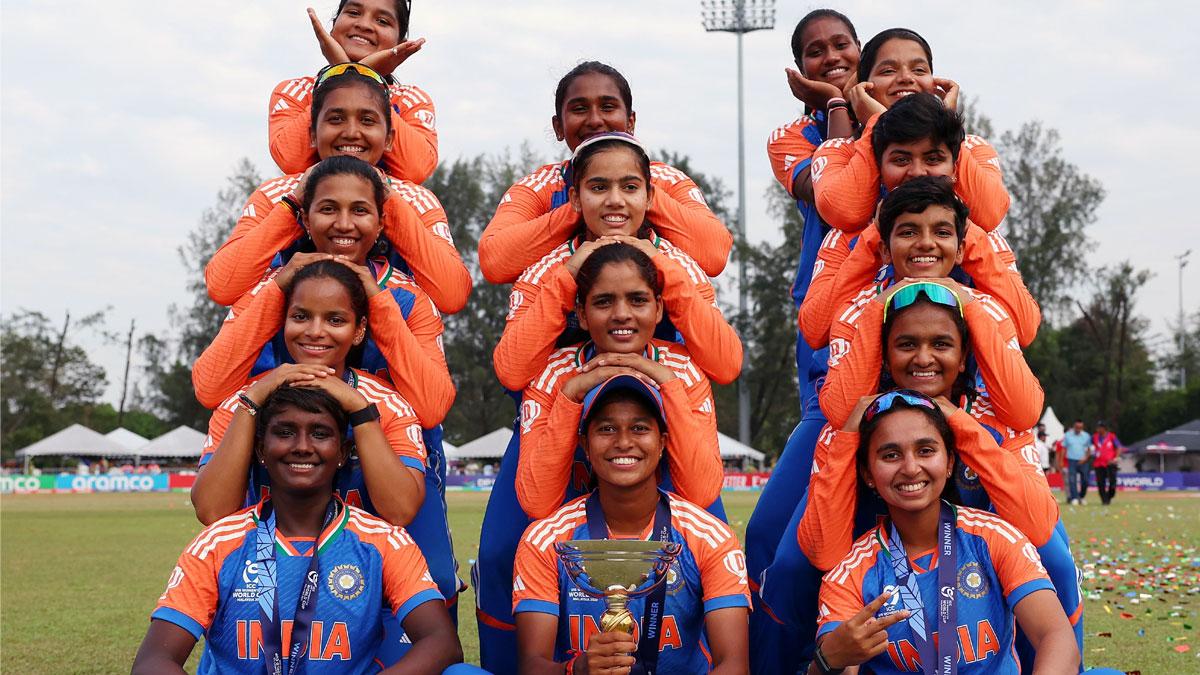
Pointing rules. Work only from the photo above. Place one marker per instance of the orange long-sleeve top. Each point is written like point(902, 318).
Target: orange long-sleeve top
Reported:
point(841, 272)
point(414, 152)
point(413, 221)
point(791, 145)
point(544, 296)
point(1016, 486)
point(550, 430)
point(846, 181)
point(412, 347)
point(855, 360)
point(527, 225)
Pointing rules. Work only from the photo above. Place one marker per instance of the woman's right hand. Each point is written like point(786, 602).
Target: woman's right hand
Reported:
point(578, 387)
point(608, 653)
point(862, 637)
point(812, 93)
point(298, 262)
point(855, 418)
point(330, 49)
point(859, 98)
point(585, 249)
point(286, 374)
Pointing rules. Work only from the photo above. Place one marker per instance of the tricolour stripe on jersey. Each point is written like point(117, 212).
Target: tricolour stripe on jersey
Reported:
point(864, 549)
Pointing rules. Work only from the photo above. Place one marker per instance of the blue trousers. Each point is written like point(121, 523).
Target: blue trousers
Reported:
point(1077, 478)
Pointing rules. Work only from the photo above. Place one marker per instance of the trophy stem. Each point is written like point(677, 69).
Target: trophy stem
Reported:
point(616, 616)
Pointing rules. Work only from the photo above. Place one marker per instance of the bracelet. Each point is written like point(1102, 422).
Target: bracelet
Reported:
point(571, 662)
point(835, 103)
point(246, 403)
point(367, 414)
point(289, 200)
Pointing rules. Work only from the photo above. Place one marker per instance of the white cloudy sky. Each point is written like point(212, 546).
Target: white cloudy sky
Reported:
point(121, 120)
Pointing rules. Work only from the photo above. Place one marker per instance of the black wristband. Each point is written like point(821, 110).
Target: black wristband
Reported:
point(290, 202)
point(367, 414)
point(823, 665)
point(248, 404)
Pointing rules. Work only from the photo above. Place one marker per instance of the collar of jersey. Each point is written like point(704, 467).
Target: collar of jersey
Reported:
point(576, 241)
point(284, 548)
point(383, 270)
point(881, 538)
point(587, 350)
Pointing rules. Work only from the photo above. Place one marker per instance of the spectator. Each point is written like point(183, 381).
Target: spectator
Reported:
point(1043, 448)
point(1078, 447)
point(1107, 448)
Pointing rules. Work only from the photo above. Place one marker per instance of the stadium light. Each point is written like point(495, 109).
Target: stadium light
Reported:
point(740, 17)
point(1182, 259)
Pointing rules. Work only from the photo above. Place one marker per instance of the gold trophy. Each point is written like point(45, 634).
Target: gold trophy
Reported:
point(617, 570)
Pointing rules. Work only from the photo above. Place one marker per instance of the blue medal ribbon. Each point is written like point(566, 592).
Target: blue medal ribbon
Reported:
point(647, 652)
point(268, 596)
point(945, 662)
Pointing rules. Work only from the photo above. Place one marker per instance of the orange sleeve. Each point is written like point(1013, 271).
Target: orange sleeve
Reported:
point(289, 124)
point(841, 595)
point(414, 152)
point(787, 147)
point(264, 229)
point(989, 260)
point(1014, 391)
point(226, 362)
point(218, 423)
point(415, 224)
point(691, 304)
point(816, 310)
point(826, 529)
point(549, 435)
point(855, 358)
point(693, 452)
point(535, 570)
point(537, 314)
point(1018, 496)
point(406, 579)
point(979, 183)
point(524, 227)
point(719, 557)
point(846, 180)
point(680, 213)
point(412, 348)
point(397, 418)
point(193, 588)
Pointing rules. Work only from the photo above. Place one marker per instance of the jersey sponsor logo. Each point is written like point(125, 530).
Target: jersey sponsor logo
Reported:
point(697, 195)
point(1031, 553)
point(514, 303)
point(972, 582)
point(426, 118)
point(735, 562)
point(322, 645)
point(175, 579)
point(346, 582)
point(530, 410)
point(838, 348)
point(817, 168)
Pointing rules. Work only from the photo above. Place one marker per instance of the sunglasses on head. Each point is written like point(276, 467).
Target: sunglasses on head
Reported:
point(342, 68)
point(906, 398)
point(932, 290)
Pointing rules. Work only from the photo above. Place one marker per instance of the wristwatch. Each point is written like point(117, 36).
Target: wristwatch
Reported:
point(822, 665)
point(365, 415)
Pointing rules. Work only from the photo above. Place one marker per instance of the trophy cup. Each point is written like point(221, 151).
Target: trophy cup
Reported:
point(617, 570)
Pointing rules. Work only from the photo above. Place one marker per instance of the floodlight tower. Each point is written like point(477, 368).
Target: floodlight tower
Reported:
point(1182, 260)
point(740, 17)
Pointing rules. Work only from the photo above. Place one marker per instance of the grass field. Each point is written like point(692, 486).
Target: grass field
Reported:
point(79, 575)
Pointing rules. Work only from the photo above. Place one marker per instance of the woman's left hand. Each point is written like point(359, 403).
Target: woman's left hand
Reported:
point(348, 397)
point(643, 245)
point(865, 107)
point(855, 418)
point(385, 61)
point(370, 284)
point(330, 49)
point(653, 369)
point(948, 91)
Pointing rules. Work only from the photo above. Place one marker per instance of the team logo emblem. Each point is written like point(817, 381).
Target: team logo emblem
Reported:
point(346, 582)
point(971, 581)
point(967, 478)
point(674, 579)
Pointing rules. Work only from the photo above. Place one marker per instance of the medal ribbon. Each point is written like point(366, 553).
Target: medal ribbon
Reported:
point(268, 596)
point(647, 652)
point(946, 661)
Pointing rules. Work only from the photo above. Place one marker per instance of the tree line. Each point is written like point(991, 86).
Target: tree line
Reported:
point(1094, 353)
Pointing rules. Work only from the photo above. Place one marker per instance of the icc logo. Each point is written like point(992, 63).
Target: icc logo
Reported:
point(250, 574)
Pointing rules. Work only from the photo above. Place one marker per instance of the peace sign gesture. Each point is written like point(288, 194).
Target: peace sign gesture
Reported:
point(862, 637)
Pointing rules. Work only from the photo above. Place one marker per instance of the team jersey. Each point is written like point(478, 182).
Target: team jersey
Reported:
point(855, 349)
point(364, 564)
point(396, 417)
point(534, 217)
point(846, 181)
point(845, 265)
point(552, 466)
point(414, 152)
point(709, 574)
point(997, 568)
point(790, 148)
point(995, 473)
point(403, 346)
point(543, 298)
point(414, 223)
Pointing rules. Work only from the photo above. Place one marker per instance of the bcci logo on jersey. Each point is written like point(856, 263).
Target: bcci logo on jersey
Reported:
point(346, 582)
point(972, 583)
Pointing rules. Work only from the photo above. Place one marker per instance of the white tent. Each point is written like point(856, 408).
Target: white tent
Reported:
point(128, 439)
point(488, 446)
point(76, 440)
point(1054, 428)
point(179, 442)
point(734, 449)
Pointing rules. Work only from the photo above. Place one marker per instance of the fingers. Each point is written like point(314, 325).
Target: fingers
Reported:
point(891, 619)
point(318, 27)
point(869, 611)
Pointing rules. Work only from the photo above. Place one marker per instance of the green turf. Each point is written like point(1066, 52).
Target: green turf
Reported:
point(79, 575)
